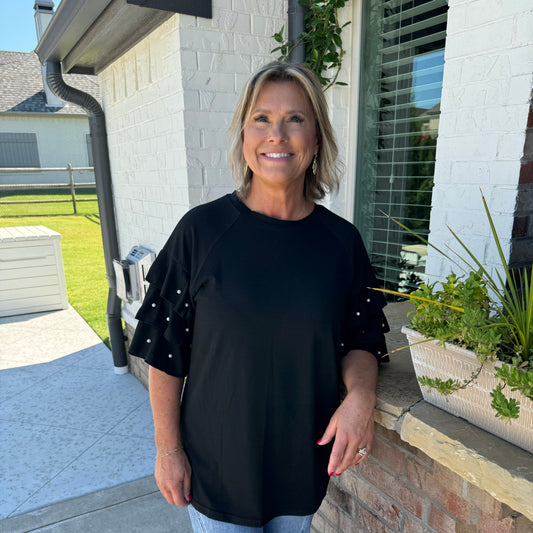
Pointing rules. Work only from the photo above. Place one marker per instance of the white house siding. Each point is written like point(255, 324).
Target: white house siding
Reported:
point(485, 102)
point(168, 103)
point(60, 140)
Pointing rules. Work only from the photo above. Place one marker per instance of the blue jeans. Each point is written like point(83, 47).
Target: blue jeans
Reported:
point(280, 524)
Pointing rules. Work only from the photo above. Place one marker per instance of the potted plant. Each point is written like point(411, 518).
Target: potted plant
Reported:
point(471, 340)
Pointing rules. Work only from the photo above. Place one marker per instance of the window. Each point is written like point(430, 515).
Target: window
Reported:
point(19, 150)
point(89, 149)
point(401, 85)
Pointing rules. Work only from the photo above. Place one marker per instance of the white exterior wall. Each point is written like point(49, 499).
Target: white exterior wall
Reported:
point(60, 140)
point(168, 103)
point(343, 102)
point(170, 99)
point(218, 57)
point(485, 101)
point(143, 102)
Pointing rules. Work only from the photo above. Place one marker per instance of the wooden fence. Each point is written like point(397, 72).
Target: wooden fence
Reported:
point(70, 185)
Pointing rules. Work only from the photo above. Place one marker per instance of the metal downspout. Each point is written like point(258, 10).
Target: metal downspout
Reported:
point(295, 27)
point(102, 174)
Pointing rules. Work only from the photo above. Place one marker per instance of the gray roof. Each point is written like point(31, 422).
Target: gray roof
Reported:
point(21, 86)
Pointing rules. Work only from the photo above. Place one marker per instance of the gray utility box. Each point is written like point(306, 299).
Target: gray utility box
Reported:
point(131, 274)
point(32, 278)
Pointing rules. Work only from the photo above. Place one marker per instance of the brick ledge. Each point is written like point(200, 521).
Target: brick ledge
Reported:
point(492, 464)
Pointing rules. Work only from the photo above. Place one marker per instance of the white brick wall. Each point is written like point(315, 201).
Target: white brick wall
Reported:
point(485, 102)
point(144, 103)
point(344, 117)
point(221, 54)
point(170, 99)
point(169, 102)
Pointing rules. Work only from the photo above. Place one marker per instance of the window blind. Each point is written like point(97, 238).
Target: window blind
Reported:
point(19, 150)
point(401, 85)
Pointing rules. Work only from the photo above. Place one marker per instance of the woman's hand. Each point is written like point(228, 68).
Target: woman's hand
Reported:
point(352, 424)
point(172, 468)
point(173, 478)
point(352, 427)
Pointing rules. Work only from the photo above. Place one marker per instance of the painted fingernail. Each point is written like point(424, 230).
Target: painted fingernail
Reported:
point(338, 473)
point(319, 441)
point(330, 474)
point(356, 464)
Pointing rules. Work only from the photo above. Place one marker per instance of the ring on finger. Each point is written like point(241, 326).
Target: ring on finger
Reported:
point(362, 451)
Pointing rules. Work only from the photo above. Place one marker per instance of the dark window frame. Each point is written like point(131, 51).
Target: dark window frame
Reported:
point(401, 82)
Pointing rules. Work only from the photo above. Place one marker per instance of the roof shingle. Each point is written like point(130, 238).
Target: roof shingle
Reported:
point(21, 86)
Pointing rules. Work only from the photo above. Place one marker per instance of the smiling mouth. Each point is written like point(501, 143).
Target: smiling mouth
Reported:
point(276, 155)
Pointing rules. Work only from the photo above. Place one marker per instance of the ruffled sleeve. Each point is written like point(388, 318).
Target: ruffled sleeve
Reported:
point(163, 335)
point(365, 323)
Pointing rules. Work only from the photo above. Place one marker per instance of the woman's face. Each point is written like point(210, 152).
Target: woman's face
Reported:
point(280, 138)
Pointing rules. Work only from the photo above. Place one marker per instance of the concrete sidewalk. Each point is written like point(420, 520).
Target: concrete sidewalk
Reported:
point(135, 507)
point(77, 440)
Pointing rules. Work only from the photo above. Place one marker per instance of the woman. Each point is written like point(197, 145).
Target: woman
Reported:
point(261, 299)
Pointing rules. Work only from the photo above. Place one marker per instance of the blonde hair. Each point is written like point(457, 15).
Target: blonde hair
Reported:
point(326, 178)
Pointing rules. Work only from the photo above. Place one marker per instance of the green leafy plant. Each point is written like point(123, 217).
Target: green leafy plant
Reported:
point(322, 40)
point(506, 408)
point(492, 315)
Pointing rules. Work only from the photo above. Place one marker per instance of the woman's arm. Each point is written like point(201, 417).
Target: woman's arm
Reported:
point(172, 469)
point(352, 424)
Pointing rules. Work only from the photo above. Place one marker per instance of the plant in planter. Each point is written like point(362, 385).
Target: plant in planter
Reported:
point(490, 317)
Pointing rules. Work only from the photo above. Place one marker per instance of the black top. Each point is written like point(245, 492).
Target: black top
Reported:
point(258, 312)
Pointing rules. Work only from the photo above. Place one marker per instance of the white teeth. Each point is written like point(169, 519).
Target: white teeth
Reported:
point(277, 156)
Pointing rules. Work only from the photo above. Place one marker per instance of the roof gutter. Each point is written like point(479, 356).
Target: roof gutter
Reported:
point(102, 174)
point(72, 19)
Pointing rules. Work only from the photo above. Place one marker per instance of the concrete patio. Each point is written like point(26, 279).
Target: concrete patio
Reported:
point(77, 439)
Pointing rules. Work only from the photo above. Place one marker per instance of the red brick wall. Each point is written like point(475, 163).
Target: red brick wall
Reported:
point(136, 366)
point(400, 489)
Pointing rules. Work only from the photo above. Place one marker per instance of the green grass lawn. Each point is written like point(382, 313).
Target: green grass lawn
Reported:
point(56, 208)
point(83, 254)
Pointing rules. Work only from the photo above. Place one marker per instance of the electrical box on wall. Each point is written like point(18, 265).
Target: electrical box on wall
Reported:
point(131, 274)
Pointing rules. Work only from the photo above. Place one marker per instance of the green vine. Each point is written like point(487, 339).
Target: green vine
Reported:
point(506, 408)
point(450, 385)
point(322, 40)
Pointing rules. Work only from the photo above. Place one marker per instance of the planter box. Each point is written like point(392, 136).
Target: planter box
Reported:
point(473, 403)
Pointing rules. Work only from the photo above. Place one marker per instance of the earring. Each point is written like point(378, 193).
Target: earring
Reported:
point(314, 166)
point(245, 168)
